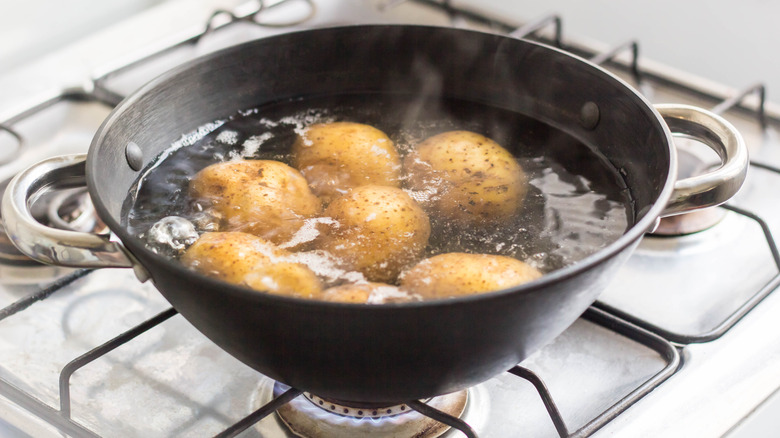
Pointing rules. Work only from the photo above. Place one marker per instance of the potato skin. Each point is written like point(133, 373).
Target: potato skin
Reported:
point(457, 274)
point(335, 157)
point(262, 197)
point(378, 231)
point(469, 178)
point(247, 260)
point(366, 293)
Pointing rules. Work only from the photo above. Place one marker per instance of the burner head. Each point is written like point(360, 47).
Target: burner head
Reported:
point(689, 223)
point(315, 417)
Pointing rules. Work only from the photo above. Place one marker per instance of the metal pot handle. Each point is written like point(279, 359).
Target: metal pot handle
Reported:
point(51, 245)
point(721, 184)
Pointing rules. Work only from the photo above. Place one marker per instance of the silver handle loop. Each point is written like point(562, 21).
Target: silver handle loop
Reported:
point(78, 249)
point(719, 185)
point(51, 245)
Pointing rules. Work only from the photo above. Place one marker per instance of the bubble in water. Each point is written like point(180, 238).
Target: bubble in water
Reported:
point(171, 235)
point(575, 205)
point(205, 220)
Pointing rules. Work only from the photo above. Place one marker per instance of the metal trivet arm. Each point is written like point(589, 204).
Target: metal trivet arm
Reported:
point(95, 89)
point(729, 321)
point(656, 75)
point(535, 26)
point(289, 395)
point(736, 100)
point(611, 54)
point(737, 314)
point(544, 393)
point(631, 331)
point(58, 285)
point(264, 411)
point(84, 359)
point(762, 293)
point(442, 417)
point(105, 94)
point(62, 419)
point(19, 144)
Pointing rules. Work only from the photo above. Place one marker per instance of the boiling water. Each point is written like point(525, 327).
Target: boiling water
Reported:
point(576, 202)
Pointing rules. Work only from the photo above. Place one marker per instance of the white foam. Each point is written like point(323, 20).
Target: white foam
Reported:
point(308, 231)
point(382, 294)
point(268, 122)
point(187, 139)
point(325, 265)
point(228, 137)
point(423, 196)
point(378, 150)
point(252, 144)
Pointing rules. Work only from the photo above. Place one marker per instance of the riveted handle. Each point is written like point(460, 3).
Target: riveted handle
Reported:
point(719, 185)
point(51, 245)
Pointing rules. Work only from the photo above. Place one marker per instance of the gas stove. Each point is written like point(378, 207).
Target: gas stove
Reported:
point(685, 341)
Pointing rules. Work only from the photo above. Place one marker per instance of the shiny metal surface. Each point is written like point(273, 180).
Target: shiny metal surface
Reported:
point(308, 418)
point(51, 245)
point(715, 187)
point(687, 284)
point(172, 381)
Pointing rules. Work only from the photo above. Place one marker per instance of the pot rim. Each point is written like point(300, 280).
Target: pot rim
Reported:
point(632, 234)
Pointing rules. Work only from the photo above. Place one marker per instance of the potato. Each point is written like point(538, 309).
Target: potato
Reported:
point(465, 178)
point(335, 157)
point(376, 230)
point(262, 197)
point(456, 274)
point(248, 260)
point(371, 293)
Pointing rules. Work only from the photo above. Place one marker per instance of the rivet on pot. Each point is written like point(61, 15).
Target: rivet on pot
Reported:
point(590, 115)
point(134, 156)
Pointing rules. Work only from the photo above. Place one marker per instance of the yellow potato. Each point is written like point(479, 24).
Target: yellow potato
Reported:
point(377, 230)
point(456, 274)
point(250, 261)
point(361, 293)
point(335, 157)
point(262, 197)
point(466, 178)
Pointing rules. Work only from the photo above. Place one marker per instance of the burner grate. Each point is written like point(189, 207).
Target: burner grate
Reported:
point(748, 302)
point(730, 320)
point(644, 337)
point(62, 418)
point(637, 329)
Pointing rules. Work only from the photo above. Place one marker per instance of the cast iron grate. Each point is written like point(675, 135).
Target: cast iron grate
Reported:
point(62, 418)
point(667, 351)
point(633, 328)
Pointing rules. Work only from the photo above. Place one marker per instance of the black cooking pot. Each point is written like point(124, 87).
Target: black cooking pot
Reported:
point(394, 352)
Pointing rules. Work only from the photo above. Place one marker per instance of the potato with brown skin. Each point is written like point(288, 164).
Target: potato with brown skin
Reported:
point(247, 260)
point(262, 197)
point(335, 157)
point(377, 230)
point(366, 293)
point(457, 274)
point(466, 178)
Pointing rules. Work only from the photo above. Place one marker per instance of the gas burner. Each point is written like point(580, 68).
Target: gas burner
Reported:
point(367, 410)
point(315, 417)
point(684, 224)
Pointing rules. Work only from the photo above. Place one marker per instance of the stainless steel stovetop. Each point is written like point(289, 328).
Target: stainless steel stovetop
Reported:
point(686, 341)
